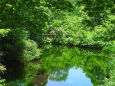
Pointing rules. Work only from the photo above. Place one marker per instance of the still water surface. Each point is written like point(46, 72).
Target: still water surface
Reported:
point(60, 66)
point(75, 77)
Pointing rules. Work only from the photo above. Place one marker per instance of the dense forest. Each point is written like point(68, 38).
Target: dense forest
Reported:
point(79, 23)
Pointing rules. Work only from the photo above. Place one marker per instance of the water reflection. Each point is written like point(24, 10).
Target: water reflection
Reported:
point(40, 80)
point(75, 77)
point(64, 66)
point(58, 64)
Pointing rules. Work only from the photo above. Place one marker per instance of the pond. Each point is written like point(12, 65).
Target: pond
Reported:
point(60, 66)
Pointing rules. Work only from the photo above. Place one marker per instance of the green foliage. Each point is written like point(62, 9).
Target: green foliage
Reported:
point(29, 15)
point(74, 28)
point(2, 82)
point(2, 69)
point(109, 49)
point(48, 41)
point(67, 25)
point(98, 9)
point(30, 51)
point(68, 33)
point(105, 32)
point(4, 32)
point(18, 44)
point(61, 5)
point(86, 23)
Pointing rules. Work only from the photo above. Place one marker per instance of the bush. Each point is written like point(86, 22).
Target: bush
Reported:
point(30, 51)
point(1, 71)
point(18, 46)
point(2, 82)
point(2, 68)
point(48, 41)
point(4, 32)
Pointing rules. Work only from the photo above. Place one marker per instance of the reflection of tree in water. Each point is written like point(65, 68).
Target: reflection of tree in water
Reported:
point(21, 74)
point(58, 75)
point(30, 76)
point(94, 65)
point(58, 64)
point(40, 80)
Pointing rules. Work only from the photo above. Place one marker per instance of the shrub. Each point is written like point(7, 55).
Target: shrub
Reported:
point(30, 51)
point(18, 46)
point(1, 71)
point(48, 41)
point(4, 32)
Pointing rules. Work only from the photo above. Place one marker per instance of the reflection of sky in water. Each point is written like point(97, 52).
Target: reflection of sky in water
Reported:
point(76, 77)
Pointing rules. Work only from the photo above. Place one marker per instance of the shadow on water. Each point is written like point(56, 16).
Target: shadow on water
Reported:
point(59, 66)
point(15, 68)
point(19, 73)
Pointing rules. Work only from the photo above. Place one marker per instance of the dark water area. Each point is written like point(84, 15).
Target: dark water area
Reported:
point(60, 66)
